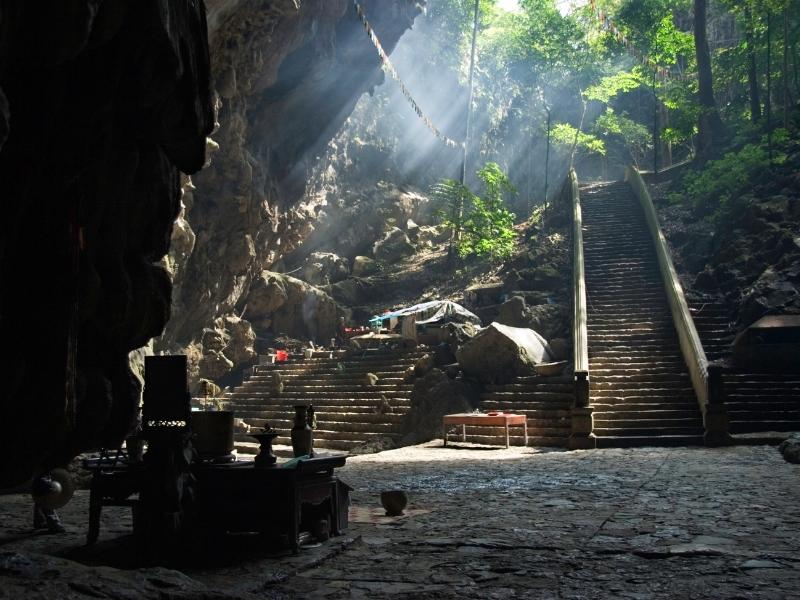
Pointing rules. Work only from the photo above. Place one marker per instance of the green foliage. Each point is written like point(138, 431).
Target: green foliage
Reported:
point(450, 197)
point(489, 225)
point(567, 135)
point(635, 136)
point(609, 87)
point(486, 228)
point(712, 189)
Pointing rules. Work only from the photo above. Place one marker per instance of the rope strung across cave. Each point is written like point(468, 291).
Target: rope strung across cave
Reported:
point(388, 67)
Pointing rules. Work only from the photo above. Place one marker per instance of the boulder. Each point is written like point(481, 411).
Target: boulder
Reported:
point(353, 291)
point(772, 293)
point(363, 266)
point(498, 353)
point(214, 365)
point(559, 348)
point(456, 335)
point(214, 339)
point(513, 312)
point(241, 339)
point(424, 364)
point(279, 303)
point(550, 320)
point(790, 448)
point(394, 246)
point(322, 268)
point(542, 278)
point(434, 396)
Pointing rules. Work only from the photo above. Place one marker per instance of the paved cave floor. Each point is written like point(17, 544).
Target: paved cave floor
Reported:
point(483, 523)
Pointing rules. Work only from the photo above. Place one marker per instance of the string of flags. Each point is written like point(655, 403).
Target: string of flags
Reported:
point(388, 67)
point(607, 24)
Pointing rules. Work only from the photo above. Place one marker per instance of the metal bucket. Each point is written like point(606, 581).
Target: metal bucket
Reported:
point(213, 432)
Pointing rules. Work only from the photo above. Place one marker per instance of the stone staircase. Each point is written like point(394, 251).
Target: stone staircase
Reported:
point(546, 401)
point(348, 411)
point(756, 402)
point(713, 322)
point(639, 385)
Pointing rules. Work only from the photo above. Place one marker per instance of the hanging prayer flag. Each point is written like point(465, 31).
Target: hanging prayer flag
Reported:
point(388, 67)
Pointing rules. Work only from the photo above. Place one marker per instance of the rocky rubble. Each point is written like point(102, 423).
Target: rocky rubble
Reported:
point(750, 254)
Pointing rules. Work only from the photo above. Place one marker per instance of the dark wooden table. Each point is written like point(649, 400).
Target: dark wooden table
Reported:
point(238, 497)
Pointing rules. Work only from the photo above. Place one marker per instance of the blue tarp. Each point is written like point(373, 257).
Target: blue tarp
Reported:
point(431, 312)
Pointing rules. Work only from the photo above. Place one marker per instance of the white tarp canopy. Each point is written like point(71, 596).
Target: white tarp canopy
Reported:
point(434, 311)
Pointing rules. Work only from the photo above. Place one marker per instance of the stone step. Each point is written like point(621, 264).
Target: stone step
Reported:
point(606, 421)
point(360, 406)
point(295, 388)
point(394, 414)
point(764, 425)
point(534, 413)
point(626, 377)
point(599, 364)
point(695, 428)
point(280, 419)
point(529, 396)
point(626, 412)
point(631, 441)
point(328, 395)
point(641, 405)
point(326, 426)
point(558, 388)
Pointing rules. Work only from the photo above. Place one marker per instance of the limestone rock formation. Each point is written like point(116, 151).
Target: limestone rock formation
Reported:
point(288, 74)
point(499, 352)
point(280, 304)
point(394, 246)
point(102, 104)
point(363, 266)
point(322, 268)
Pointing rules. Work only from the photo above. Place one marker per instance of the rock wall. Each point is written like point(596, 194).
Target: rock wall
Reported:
point(102, 104)
point(287, 74)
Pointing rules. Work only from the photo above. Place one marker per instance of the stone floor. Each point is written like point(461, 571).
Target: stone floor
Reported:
point(483, 523)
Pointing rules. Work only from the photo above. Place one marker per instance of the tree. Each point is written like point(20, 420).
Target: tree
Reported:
point(487, 226)
point(709, 125)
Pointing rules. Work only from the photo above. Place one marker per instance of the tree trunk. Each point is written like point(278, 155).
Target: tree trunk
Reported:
point(666, 146)
point(768, 103)
point(709, 124)
point(787, 100)
point(752, 72)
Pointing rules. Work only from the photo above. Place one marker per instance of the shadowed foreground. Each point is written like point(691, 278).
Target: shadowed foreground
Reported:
point(484, 523)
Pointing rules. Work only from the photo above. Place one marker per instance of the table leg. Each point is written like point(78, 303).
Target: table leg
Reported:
point(463, 433)
point(444, 434)
point(507, 444)
point(95, 507)
point(525, 426)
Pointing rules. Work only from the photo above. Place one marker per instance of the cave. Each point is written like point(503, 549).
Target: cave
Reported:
point(511, 265)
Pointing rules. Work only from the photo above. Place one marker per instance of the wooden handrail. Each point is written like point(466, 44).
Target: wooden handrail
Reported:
point(691, 347)
point(580, 343)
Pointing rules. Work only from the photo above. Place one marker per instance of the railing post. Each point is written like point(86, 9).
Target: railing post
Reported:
point(715, 419)
point(581, 415)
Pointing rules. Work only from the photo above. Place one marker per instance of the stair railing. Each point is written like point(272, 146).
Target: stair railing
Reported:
point(582, 424)
point(706, 379)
